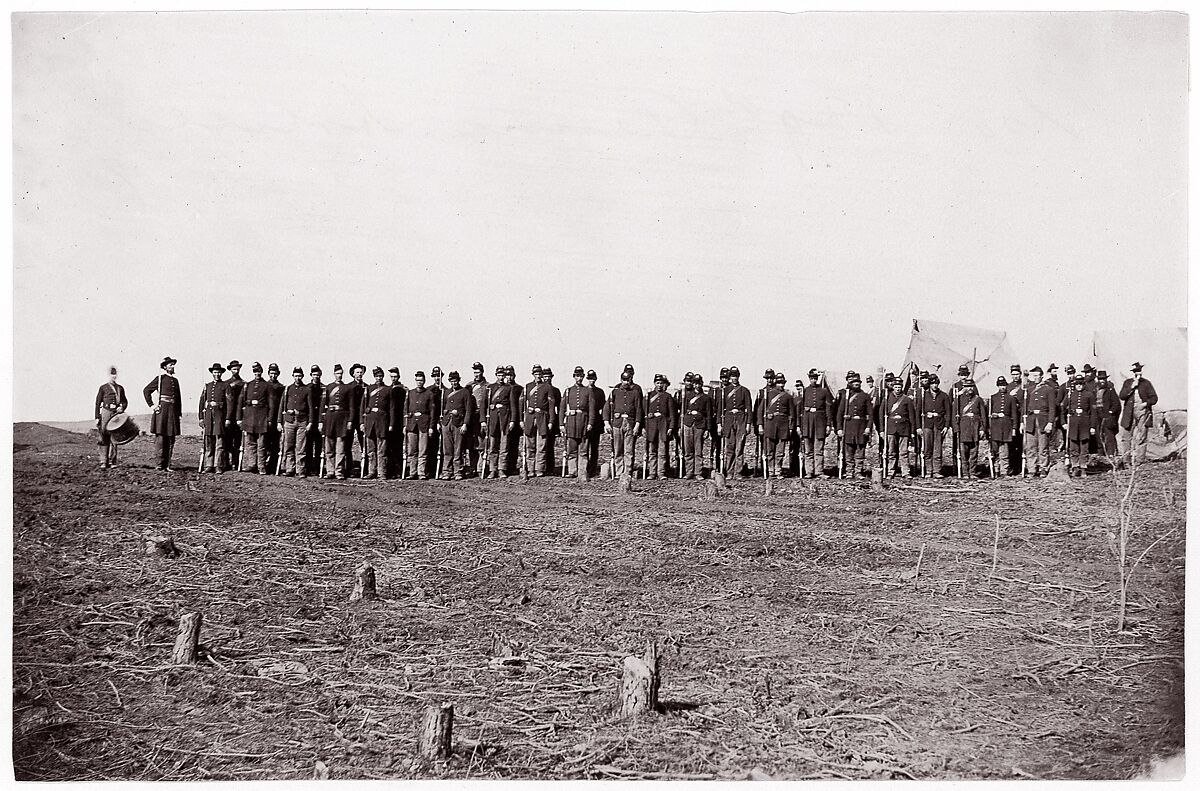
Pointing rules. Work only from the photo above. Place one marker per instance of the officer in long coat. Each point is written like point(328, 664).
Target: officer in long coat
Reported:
point(623, 415)
point(1039, 410)
point(970, 426)
point(697, 416)
point(337, 424)
point(315, 446)
point(420, 415)
point(933, 420)
point(575, 418)
point(168, 411)
point(736, 421)
point(775, 414)
point(501, 410)
point(215, 406)
point(898, 419)
point(1108, 415)
point(1002, 425)
point(110, 402)
point(253, 416)
point(376, 424)
point(853, 421)
point(660, 421)
point(815, 421)
point(1138, 398)
point(297, 419)
point(596, 419)
point(233, 435)
point(273, 440)
point(1078, 415)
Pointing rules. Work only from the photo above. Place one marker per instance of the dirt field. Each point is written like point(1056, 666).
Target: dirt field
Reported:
point(823, 631)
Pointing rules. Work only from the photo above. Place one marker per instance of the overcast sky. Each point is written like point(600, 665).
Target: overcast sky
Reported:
point(679, 191)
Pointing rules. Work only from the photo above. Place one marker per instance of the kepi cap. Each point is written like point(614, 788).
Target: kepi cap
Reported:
point(297, 371)
point(578, 371)
point(256, 367)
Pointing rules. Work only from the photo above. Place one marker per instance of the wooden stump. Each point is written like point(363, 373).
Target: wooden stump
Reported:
point(437, 727)
point(604, 471)
point(719, 480)
point(364, 583)
point(710, 491)
point(188, 641)
point(877, 479)
point(639, 684)
point(1058, 474)
point(163, 546)
point(768, 487)
point(624, 484)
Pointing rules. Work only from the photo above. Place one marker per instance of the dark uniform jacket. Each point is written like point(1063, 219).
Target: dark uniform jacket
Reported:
point(276, 390)
point(575, 413)
point(898, 414)
point(1039, 407)
point(815, 409)
point(457, 408)
point(298, 405)
point(539, 409)
point(1108, 408)
point(853, 416)
point(1002, 416)
point(596, 408)
point(1017, 391)
point(970, 417)
point(318, 396)
point(659, 411)
point(111, 396)
point(556, 398)
point(337, 409)
point(933, 409)
point(529, 417)
point(697, 409)
point(776, 413)
point(479, 391)
point(377, 414)
point(234, 384)
point(215, 405)
point(166, 420)
point(420, 409)
point(1078, 411)
point(503, 407)
point(1147, 393)
point(254, 407)
point(626, 402)
point(738, 408)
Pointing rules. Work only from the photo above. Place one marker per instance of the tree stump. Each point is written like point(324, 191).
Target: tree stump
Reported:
point(719, 480)
point(710, 491)
point(364, 583)
point(604, 470)
point(877, 479)
point(768, 487)
point(1058, 474)
point(625, 484)
point(437, 727)
point(188, 641)
point(163, 546)
point(639, 684)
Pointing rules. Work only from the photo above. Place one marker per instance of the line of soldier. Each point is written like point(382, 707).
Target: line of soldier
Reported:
point(491, 429)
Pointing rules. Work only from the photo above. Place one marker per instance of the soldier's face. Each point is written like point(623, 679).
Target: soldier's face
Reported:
point(395, 379)
point(735, 380)
point(337, 376)
point(216, 376)
point(420, 381)
point(274, 376)
point(1035, 376)
point(235, 370)
point(297, 378)
point(379, 379)
point(578, 379)
point(358, 375)
point(591, 382)
point(258, 376)
point(897, 387)
point(112, 378)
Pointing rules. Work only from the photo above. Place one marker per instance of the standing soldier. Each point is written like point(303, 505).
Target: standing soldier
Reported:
point(539, 414)
point(511, 447)
point(337, 424)
point(529, 418)
point(233, 435)
point(737, 418)
point(474, 438)
point(555, 429)
point(815, 422)
point(1038, 412)
point(623, 414)
point(314, 446)
point(394, 459)
point(457, 415)
point(1108, 416)
point(596, 401)
point(164, 423)
point(1137, 413)
point(898, 417)
point(214, 406)
point(376, 424)
point(659, 411)
point(718, 397)
point(253, 416)
point(357, 394)
point(697, 417)
point(933, 416)
point(776, 417)
point(970, 425)
point(420, 415)
point(110, 401)
point(575, 417)
point(1078, 410)
point(853, 421)
point(273, 444)
point(1002, 425)
point(1016, 389)
point(502, 408)
point(297, 419)
point(438, 388)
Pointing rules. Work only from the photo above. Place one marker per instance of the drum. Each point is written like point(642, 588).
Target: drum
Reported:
point(122, 428)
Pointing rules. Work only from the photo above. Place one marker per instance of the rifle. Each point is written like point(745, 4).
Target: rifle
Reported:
point(762, 445)
point(679, 433)
point(840, 439)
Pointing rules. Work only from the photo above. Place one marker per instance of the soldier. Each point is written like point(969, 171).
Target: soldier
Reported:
point(660, 421)
point(555, 430)
point(357, 395)
point(1089, 378)
point(933, 416)
point(273, 443)
point(898, 417)
point(1002, 425)
point(457, 414)
point(513, 439)
point(623, 415)
point(337, 424)
point(1078, 410)
point(596, 421)
point(164, 422)
point(763, 394)
point(970, 426)
point(776, 417)
point(439, 390)
point(529, 418)
point(110, 401)
point(253, 416)
point(718, 398)
point(233, 435)
point(853, 421)
point(1038, 412)
point(1138, 398)
point(297, 419)
point(697, 419)
point(1016, 389)
point(420, 415)
point(215, 405)
point(376, 425)
point(394, 459)
point(315, 447)
point(473, 441)
point(575, 417)
point(815, 421)
point(736, 420)
point(502, 408)
point(1108, 416)
point(1055, 441)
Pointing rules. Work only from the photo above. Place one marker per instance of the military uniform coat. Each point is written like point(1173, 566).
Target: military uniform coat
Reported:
point(970, 417)
point(659, 410)
point(1039, 407)
point(626, 402)
point(1002, 416)
point(215, 405)
point(776, 413)
point(503, 407)
point(165, 422)
point(337, 409)
point(276, 398)
point(1078, 411)
point(254, 407)
point(738, 408)
point(933, 410)
point(853, 416)
point(596, 408)
point(1108, 408)
point(898, 414)
point(697, 409)
point(815, 411)
point(298, 404)
point(377, 415)
point(420, 410)
point(457, 408)
point(575, 413)
point(111, 397)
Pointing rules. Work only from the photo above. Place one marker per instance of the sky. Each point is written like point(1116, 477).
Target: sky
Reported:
point(678, 191)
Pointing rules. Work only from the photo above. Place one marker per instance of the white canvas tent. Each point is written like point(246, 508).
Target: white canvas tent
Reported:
point(940, 347)
point(1163, 355)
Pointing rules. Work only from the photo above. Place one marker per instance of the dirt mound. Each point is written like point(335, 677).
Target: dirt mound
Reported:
point(38, 435)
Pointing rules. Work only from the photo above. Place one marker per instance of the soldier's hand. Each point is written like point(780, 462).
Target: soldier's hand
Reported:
point(98, 422)
point(1049, 429)
point(760, 428)
point(229, 422)
point(362, 427)
point(607, 428)
point(239, 424)
point(1091, 431)
point(841, 433)
point(589, 428)
point(431, 432)
point(718, 429)
point(391, 429)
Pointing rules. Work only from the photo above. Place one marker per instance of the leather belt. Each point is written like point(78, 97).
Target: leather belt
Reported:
point(1036, 412)
point(166, 399)
point(414, 414)
point(735, 411)
point(694, 412)
point(968, 414)
point(933, 414)
point(499, 406)
point(810, 409)
point(998, 414)
point(657, 414)
point(854, 417)
point(1078, 411)
point(624, 414)
point(333, 407)
point(212, 403)
point(110, 406)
